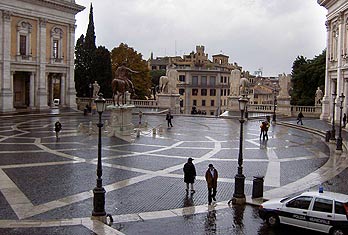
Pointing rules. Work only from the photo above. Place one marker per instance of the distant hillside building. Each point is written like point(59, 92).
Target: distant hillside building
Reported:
point(336, 74)
point(203, 84)
point(37, 53)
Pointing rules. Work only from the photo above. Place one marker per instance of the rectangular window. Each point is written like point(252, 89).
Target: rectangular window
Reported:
point(194, 80)
point(228, 92)
point(224, 92)
point(203, 92)
point(203, 80)
point(194, 92)
point(221, 92)
point(222, 79)
point(340, 208)
point(212, 81)
point(225, 79)
point(212, 92)
point(23, 45)
point(182, 78)
point(203, 102)
point(323, 205)
point(55, 49)
point(212, 103)
point(194, 102)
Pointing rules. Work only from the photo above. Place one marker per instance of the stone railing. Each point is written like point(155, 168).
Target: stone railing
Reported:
point(307, 111)
point(145, 103)
point(260, 108)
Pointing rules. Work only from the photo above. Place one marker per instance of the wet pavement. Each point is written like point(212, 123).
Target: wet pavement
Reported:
point(46, 184)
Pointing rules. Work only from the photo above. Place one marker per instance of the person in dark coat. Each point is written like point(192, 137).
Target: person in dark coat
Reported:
point(169, 118)
point(299, 118)
point(57, 128)
point(189, 175)
point(211, 177)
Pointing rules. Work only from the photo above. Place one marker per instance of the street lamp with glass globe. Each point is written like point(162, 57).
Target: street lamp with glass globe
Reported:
point(333, 134)
point(239, 179)
point(99, 191)
point(339, 139)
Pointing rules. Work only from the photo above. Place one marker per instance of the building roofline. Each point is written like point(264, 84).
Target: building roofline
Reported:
point(60, 4)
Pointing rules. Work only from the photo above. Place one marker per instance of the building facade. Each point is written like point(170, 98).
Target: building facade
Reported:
point(37, 53)
point(204, 85)
point(336, 73)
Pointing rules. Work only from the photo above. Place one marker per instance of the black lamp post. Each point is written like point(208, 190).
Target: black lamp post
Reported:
point(339, 139)
point(239, 179)
point(99, 191)
point(333, 134)
point(274, 107)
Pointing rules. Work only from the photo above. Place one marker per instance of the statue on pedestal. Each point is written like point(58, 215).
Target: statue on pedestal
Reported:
point(235, 82)
point(122, 83)
point(318, 96)
point(168, 83)
point(96, 89)
point(284, 84)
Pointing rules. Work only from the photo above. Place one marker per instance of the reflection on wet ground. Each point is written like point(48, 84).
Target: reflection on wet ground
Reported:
point(239, 220)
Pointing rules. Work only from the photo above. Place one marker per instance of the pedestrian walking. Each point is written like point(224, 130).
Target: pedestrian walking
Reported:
point(57, 129)
point(344, 120)
point(169, 118)
point(140, 116)
point(264, 130)
point(211, 177)
point(189, 175)
point(299, 118)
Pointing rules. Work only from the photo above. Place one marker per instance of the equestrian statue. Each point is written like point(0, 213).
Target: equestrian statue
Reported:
point(122, 83)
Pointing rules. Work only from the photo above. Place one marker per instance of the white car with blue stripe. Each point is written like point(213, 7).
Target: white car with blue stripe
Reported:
point(320, 211)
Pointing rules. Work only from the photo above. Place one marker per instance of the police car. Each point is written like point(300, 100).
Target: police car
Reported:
point(320, 211)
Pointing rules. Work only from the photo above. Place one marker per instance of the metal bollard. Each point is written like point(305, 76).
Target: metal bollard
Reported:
point(257, 187)
point(327, 136)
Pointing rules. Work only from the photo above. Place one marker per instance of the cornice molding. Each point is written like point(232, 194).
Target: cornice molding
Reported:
point(326, 3)
point(59, 5)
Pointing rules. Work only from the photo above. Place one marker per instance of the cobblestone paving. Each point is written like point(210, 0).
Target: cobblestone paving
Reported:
point(42, 178)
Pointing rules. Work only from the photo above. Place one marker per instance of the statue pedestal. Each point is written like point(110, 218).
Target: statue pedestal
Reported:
point(120, 123)
point(283, 105)
point(169, 101)
point(233, 103)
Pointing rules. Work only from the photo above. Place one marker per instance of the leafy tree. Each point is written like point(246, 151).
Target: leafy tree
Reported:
point(80, 67)
point(155, 75)
point(134, 61)
point(85, 50)
point(103, 71)
point(307, 75)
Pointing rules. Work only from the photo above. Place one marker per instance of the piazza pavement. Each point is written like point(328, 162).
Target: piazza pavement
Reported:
point(46, 185)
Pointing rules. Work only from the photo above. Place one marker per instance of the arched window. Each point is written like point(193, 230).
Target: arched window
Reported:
point(24, 29)
point(56, 45)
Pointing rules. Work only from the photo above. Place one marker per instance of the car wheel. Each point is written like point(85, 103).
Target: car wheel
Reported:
point(272, 220)
point(336, 231)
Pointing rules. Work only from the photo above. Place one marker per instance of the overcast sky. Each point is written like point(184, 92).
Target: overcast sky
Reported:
point(267, 34)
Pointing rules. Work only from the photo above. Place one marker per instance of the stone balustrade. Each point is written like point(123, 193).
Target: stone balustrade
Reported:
point(308, 111)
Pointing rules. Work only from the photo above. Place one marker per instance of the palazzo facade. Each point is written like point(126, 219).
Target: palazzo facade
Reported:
point(336, 74)
point(37, 53)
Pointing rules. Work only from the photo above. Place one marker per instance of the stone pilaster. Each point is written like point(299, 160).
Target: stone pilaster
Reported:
point(70, 82)
point(62, 90)
point(325, 113)
point(32, 91)
point(6, 89)
point(42, 86)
